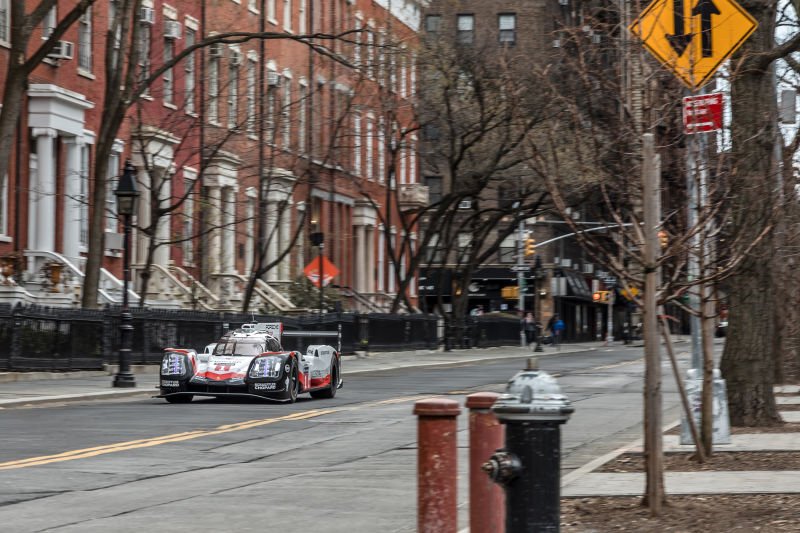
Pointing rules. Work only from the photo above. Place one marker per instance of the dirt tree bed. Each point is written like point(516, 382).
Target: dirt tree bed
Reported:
point(719, 461)
point(767, 513)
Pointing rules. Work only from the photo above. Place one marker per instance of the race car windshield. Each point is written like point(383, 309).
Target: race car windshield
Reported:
point(239, 347)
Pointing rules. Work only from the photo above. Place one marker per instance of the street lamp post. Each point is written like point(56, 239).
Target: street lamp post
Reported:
point(127, 195)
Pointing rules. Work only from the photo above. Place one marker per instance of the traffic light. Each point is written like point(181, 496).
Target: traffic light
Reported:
point(530, 246)
point(600, 296)
point(663, 239)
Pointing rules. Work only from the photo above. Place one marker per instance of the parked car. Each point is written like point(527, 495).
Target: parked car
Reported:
point(250, 361)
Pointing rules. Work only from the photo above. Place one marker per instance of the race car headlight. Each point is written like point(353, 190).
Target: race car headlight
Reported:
point(266, 367)
point(173, 364)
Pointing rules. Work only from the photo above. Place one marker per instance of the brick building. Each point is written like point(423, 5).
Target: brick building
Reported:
point(243, 146)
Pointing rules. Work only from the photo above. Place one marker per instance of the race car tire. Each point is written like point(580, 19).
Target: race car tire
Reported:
point(183, 398)
point(329, 392)
point(294, 386)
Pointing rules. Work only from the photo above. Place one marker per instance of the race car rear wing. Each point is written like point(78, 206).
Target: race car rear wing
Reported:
point(276, 330)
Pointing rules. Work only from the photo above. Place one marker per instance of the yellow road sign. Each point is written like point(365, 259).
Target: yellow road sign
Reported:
point(693, 37)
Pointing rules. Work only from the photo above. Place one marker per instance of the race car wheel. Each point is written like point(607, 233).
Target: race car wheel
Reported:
point(330, 392)
point(294, 386)
point(183, 398)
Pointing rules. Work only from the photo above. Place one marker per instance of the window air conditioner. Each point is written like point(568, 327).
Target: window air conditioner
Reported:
point(465, 204)
point(556, 43)
point(147, 15)
point(273, 79)
point(588, 268)
point(236, 58)
point(62, 50)
point(215, 50)
point(563, 2)
point(172, 29)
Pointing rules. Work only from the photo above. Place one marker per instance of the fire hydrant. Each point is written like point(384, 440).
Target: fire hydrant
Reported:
point(533, 409)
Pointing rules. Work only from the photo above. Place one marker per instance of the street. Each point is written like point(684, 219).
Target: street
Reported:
point(346, 464)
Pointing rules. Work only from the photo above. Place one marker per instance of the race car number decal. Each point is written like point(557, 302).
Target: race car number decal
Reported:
point(169, 383)
point(264, 386)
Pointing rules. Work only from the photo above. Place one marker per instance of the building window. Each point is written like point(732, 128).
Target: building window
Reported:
point(508, 250)
point(49, 23)
point(357, 144)
point(112, 175)
point(381, 151)
point(433, 23)
point(287, 15)
point(465, 33)
point(188, 218)
point(403, 75)
point(402, 155)
point(301, 16)
point(233, 88)
point(286, 113)
point(85, 41)
point(507, 27)
point(370, 52)
point(144, 51)
point(169, 79)
point(189, 68)
point(251, 5)
point(412, 161)
point(302, 118)
point(251, 96)
point(434, 184)
point(269, 123)
point(116, 25)
point(4, 205)
point(271, 10)
point(464, 241)
point(213, 83)
point(369, 149)
point(5, 19)
point(433, 252)
point(390, 283)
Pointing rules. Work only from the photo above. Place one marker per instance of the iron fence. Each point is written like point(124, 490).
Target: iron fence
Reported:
point(40, 338)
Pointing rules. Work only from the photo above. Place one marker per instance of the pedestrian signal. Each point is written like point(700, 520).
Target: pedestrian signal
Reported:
point(530, 246)
point(510, 293)
point(600, 296)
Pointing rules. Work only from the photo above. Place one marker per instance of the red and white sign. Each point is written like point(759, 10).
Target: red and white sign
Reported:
point(329, 271)
point(702, 113)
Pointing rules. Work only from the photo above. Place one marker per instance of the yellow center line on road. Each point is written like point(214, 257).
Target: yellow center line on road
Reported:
point(95, 451)
point(156, 441)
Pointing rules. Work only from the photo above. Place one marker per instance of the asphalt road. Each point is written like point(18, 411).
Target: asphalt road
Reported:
point(341, 465)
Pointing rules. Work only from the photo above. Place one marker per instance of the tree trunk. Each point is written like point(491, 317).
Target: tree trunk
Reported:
point(748, 362)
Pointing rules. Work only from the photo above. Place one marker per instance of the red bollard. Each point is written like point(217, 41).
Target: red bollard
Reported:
point(436, 465)
point(487, 505)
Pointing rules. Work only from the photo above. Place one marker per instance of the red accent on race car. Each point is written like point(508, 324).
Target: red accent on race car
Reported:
point(321, 382)
point(213, 376)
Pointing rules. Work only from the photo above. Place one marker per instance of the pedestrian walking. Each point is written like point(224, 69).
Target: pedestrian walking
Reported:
point(530, 329)
point(556, 327)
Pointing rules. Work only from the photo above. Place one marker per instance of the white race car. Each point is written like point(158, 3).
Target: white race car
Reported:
point(251, 362)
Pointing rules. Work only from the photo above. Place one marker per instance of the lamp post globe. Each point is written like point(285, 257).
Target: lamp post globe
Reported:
point(127, 196)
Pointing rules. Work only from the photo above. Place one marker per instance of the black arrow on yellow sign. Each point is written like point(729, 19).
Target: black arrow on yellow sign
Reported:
point(706, 8)
point(679, 40)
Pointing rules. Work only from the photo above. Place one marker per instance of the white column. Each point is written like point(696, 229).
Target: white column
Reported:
point(72, 207)
point(250, 235)
point(215, 238)
point(33, 204)
point(370, 267)
point(361, 271)
point(46, 157)
point(229, 231)
point(286, 221)
point(272, 235)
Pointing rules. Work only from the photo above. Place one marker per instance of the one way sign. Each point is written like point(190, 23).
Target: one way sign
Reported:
point(693, 37)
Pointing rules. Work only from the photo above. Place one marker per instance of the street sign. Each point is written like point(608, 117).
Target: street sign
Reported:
point(702, 113)
point(329, 271)
point(693, 37)
point(520, 268)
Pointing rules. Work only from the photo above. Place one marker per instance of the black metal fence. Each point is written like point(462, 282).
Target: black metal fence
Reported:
point(39, 338)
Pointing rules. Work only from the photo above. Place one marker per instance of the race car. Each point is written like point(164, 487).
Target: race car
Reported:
point(250, 361)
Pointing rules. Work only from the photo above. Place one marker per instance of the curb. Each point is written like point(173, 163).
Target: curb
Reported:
point(68, 398)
